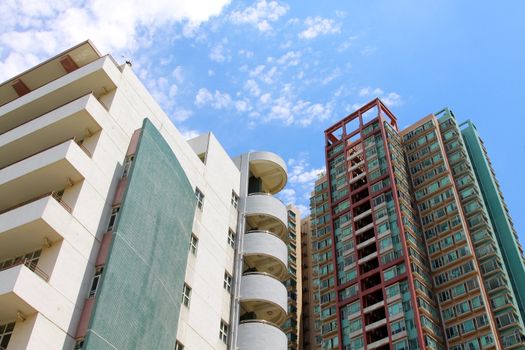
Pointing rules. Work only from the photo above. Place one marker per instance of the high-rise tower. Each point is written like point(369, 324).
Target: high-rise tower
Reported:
point(414, 251)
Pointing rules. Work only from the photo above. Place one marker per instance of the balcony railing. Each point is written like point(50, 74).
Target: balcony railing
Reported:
point(45, 149)
point(55, 194)
point(40, 115)
point(31, 265)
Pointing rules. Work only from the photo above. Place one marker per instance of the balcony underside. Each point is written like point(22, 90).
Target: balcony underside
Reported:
point(98, 77)
point(73, 120)
point(23, 292)
point(50, 170)
point(31, 225)
point(271, 169)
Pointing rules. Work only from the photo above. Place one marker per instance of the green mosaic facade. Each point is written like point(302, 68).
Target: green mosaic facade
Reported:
point(498, 213)
point(139, 299)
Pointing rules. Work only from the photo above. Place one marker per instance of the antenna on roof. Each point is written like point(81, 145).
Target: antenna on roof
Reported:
point(127, 60)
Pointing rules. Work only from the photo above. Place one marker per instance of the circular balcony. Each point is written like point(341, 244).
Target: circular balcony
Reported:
point(263, 298)
point(267, 213)
point(266, 252)
point(271, 169)
point(260, 335)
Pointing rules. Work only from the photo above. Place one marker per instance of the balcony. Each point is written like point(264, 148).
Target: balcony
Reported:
point(266, 252)
point(265, 212)
point(23, 292)
point(259, 335)
point(270, 169)
point(378, 343)
point(263, 297)
point(41, 221)
point(98, 77)
point(53, 169)
point(76, 119)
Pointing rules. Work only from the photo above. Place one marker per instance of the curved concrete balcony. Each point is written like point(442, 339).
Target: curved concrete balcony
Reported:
point(76, 119)
point(266, 252)
point(50, 170)
point(263, 297)
point(259, 335)
point(271, 169)
point(265, 212)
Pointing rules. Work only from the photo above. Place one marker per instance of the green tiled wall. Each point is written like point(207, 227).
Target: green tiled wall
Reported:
point(139, 299)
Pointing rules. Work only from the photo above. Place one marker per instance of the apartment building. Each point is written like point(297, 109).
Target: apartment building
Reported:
point(116, 233)
point(422, 253)
point(292, 326)
point(307, 318)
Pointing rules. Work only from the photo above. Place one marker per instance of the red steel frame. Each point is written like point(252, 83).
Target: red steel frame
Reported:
point(331, 141)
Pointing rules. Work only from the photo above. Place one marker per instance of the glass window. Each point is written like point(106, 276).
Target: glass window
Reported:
point(186, 294)
point(235, 200)
point(223, 332)
point(227, 281)
point(231, 238)
point(194, 242)
point(6, 331)
point(113, 217)
point(200, 198)
point(95, 282)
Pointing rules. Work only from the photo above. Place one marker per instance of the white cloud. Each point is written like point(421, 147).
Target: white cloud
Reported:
point(173, 91)
point(391, 99)
point(189, 133)
point(336, 73)
point(219, 54)
point(267, 97)
point(301, 179)
point(291, 58)
point(221, 100)
point(246, 53)
point(252, 87)
point(42, 29)
point(178, 74)
point(260, 14)
point(242, 106)
point(368, 50)
point(287, 196)
point(181, 114)
point(217, 100)
point(319, 26)
point(203, 97)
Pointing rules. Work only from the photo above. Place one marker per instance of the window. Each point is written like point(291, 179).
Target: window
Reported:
point(95, 283)
point(6, 330)
point(395, 309)
point(227, 281)
point(186, 294)
point(200, 198)
point(127, 164)
point(113, 218)
point(231, 238)
point(223, 332)
point(179, 345)
point(79, 343)
point(194, 242)
point(235, 200)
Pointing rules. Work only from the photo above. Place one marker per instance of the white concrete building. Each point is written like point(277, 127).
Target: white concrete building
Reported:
point(116, 233)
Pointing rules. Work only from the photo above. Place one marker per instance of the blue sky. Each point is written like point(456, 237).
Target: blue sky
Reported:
point(268, 75)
